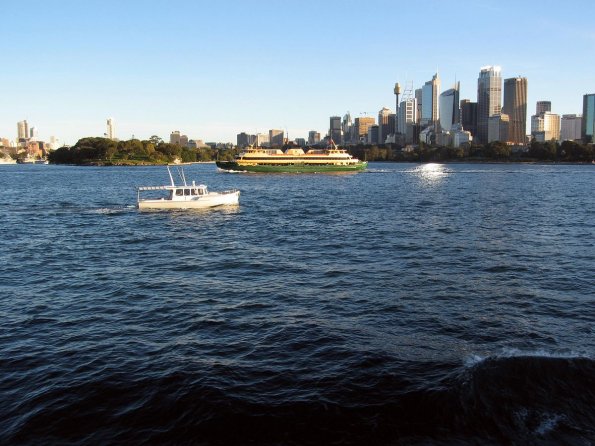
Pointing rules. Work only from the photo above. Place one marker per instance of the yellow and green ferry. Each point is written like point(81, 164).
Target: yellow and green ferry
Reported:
point(258, 159)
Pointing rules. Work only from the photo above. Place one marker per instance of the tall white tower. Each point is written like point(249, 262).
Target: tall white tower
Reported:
point(111, 131)
point(22, 130)
point(489, 99)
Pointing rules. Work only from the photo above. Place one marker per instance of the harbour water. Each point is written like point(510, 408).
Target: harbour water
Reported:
point(407, 304)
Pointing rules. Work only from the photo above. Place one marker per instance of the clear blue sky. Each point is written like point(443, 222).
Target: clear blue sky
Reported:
point(212, 69)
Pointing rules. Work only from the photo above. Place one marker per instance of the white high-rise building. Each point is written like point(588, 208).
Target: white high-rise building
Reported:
point(111, 130)
point(570, 127)
point(429, 98)
point(489, 99)
point(262, 139)
point(449, 108)
point(54, 142)
point(22, 130)
point(407, 114)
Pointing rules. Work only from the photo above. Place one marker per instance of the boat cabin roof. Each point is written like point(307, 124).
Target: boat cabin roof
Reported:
point(194, 186)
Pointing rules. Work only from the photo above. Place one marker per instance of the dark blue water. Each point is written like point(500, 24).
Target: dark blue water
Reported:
point(408, 304)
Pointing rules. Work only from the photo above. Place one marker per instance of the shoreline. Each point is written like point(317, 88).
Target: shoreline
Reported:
point(463, 161)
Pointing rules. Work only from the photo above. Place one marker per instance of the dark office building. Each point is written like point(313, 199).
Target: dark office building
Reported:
point(469, 116)
point(335, 129)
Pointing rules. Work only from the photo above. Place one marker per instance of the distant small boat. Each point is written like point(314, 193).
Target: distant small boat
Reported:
point(31, 160)
point(186, 196)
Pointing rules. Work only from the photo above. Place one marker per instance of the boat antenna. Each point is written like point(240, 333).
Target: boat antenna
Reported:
point(182, 176)
point(170, 177)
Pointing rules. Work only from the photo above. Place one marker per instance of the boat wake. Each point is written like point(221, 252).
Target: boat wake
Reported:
point(113, 210)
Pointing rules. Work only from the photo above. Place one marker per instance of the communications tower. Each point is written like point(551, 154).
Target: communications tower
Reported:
point(397, 93)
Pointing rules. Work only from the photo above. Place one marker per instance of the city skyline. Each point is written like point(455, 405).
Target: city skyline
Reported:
point(242, 68)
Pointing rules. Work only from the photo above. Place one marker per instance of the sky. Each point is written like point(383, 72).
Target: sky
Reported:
point(212, 69)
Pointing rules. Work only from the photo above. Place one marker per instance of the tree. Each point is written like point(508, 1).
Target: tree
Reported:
point(498, 150)
point(171, 150)
point(574, 151)
point(155, 140)
point(551, 149)
point(537, 150)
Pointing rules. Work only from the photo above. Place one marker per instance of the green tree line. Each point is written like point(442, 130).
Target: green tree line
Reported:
point(152, 151)
point(155, 151)
point(567, 151)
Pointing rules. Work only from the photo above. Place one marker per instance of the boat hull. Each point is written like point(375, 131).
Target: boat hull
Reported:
point(213, 199)
point(291, 168)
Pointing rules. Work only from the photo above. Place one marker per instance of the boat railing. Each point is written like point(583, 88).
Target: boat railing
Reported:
point(154, 187)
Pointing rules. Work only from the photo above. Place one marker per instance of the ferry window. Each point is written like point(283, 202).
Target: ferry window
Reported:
point(193, 191)
point(186, 191)
point(179, 192)
point(200, 192)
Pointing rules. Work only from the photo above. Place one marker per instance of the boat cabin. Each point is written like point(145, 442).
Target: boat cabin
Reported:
point(175, 193)
point(183, 193)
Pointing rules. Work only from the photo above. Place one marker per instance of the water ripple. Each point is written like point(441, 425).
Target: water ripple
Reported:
point(404, 305)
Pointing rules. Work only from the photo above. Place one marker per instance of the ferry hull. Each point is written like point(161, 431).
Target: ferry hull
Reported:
point(291, 168)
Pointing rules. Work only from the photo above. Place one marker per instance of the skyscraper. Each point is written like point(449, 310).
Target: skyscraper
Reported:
point(313, 137)
point(489, 99)
point(384, 128)
point(570, 127)
point(111, 130)
point(515, 106)
point(407, 119)
point(244, 139)
point(22, 130)
point(469, 116)
point(543, 106)
point(449, 107)
point(335, 129)
point(346, 127)
point(407, 114)
point(418, 96)
point(276, 138)
point(174, 137)
point(588, 124)
point(373, 134)
point(429, 99)
point(361, 128)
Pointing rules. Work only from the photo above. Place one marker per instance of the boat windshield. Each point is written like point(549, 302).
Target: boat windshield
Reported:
point(183, 192)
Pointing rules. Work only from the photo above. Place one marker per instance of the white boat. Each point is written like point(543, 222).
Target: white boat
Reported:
point(185, 196)
point(32, 160)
